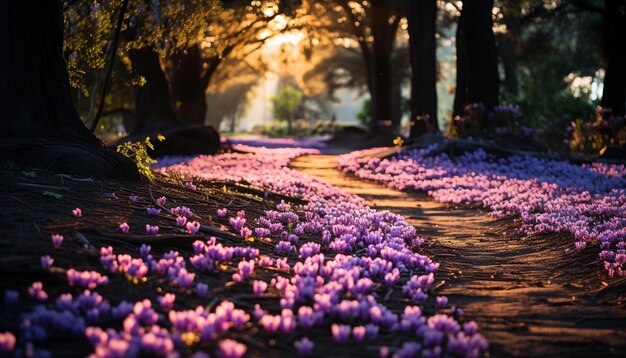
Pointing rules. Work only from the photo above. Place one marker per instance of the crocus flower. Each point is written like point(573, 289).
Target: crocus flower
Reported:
point(46, 262)
point(161, 201)
point(202, 289)
point(77, 212)
point(7, 342)
point(167, 301)
point(144, 250)
point(341, 332)
point(124, 227)
point(181, 220)
point(133, 198)
point(193, 227)
point(57, 240)
point(152, 230)
point(110, 195)
point(11, 297)
point(190, 185)
point(153, 211)
point(36, 292)
point(222, 212)
point(259, 287)
point(304, 347)
point(229, 348)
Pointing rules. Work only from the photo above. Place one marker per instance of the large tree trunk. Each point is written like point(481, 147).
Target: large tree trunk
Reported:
point(188, 85)
point(459, 92)
point(614, 95)
point(422, 16)
point(379, 71)
point(154, 107)
point(39, 125)
point(478, 48)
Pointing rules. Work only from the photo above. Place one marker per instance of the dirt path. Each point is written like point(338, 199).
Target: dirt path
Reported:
point(529, 296)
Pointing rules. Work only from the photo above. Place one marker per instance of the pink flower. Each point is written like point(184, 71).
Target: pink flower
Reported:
point(181, 220)
point(57, 240)
point(133, 198)
point(124, 227)
point(152, 230)
point(7, 342)
point(153, 211)
point(193, 227)
point(231, 349)
point(77, 212)
point(341, 332)
point(167, 301)
point(190, 185)
point(222, 212)
point(36, 292)
point(304, 347)
point(259, 287)
point(161, 201)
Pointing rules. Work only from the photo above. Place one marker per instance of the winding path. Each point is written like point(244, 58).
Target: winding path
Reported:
point(530, 296)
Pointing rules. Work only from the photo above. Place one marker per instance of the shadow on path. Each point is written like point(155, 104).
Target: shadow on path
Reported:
point(532, 296)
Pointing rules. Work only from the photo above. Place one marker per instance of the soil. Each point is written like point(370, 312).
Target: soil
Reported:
point(531, 296)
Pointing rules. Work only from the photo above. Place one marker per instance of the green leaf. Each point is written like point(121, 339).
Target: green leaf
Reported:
point(52, 194)
point(29, 174)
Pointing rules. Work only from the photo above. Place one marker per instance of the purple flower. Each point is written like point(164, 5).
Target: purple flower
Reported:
point(181, 220)
point(57, 240)
point(46, 262)
point(259, 287)
point(580, 245)
point(110, 195)
point(190, 185)
point(309, 249)
point(153, 211)
point(144, 250)
point(341, 332)
point(442, 301)
point(245, 232)
point(193, 227)
point(133, 198)
point(222, 212)
point(229, 348)
point(245, 269)
point(77, 212)
point(181, 211)
point(304, 347)
point(124, 227)
point(86, 279)
point(202, 289)
point(7, 342)
point(284, 248)
point(358, 333)
point(237, 222)
point(167, 301)
point(11, 297)
point(161, 201)
point(36, 292)
point(152, 230)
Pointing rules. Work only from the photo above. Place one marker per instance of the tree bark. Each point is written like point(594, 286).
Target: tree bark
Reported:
point(188, 87)
point(459, 91)
point(379, 71)
point(35, 89)
point(614, 93)
point(422, 16)
point(39, 125)
point(154, 107)
point(476, 53)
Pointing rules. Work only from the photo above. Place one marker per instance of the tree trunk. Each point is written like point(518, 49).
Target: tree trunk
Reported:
point(477, 56)
point(35, 89)
point(379, 71)
point(154, 107)
point(614, 94)
point(39, 125)
point(459, 91)
point(422, 16)
point(188, 86)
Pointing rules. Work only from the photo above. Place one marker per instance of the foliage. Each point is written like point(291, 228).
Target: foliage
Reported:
point(138, 152)
point(286, 103)
point(365, 113)
point(594, 137)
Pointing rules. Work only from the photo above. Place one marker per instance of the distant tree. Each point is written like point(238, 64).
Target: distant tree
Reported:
point(39, 125)
point(422, 16)
point(477, 62)
point(285, 105)
point(614, 96)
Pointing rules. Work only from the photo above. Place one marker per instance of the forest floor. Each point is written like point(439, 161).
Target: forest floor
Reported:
point(531, 296)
